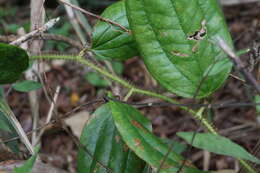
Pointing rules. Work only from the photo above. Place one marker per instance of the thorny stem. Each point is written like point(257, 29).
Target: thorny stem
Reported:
point(210, 127)
point(131, 91)
point(124, 83)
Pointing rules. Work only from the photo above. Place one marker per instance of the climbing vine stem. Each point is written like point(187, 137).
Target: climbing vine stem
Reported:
point(80, 59)
point(124, 83)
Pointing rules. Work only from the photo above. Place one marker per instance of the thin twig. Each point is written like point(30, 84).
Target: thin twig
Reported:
point(75, 24)
point(55, 37)
point(96, 16)
point(52, 122)
point(50, 113)
point(238, 63)
point(236, 2)
point(62, 38)
point(37, 15)
point(42, 29)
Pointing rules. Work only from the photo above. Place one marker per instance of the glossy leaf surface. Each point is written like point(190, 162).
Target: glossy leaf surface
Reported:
point(132, 126)
point(175, 39)
point(103, 141)
point(111, 42)
point(13, 61)
point(218, 144)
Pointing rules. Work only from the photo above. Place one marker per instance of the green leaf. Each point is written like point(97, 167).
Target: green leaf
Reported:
point(218, 144)
point(10, 117)
point(1, 92)
point(12, 28)
point(175, 40)
point(131, 124)
point(257, 100)
point(6, 128)
point(176, 146)
point(111, 42)
point(7, 132)
point(13, 61)
point(101, 138)
point(28, 165)
point(4, 123)
point(27, 85)
point(118, 67)
point(95, 79)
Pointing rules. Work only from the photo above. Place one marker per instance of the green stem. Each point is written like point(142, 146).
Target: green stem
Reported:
point(134, 89)
point(124, 83)
point(131, 91)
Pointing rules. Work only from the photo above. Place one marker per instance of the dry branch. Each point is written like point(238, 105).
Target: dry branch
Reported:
point(32, 34)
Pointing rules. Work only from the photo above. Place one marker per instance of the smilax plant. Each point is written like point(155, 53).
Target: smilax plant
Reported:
point(176, 40)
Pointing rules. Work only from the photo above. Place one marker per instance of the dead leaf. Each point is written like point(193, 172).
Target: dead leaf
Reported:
point(77, 121)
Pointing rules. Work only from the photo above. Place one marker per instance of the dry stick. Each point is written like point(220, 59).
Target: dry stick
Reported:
point(238, 63)
point(37, 16)
point(4, 107)
point(50, 113)
point(52, 122)
point(33, 33)
point(55, 37)
point(62, 38)
point(95, 16)
point(236, 2)
point(75, 24)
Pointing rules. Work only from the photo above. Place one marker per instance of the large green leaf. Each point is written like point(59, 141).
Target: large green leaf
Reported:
point(218, 144)
point(13, 61)
point(111, 42)
point(175, 40)
point(103, 141)
point(131, 125)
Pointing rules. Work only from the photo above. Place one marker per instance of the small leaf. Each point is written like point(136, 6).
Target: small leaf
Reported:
point(12, 28)
point(176, 146)
point(4, 124)
point(111, 42)
point(1, 92)
point(118, 67)
point(102, 140)
point(131, 125)
point(27, 85)
point(28, 165)
point(175, 38)
point(218, 144)
point(13, 61)
point(95, 79)
point(257, 100)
